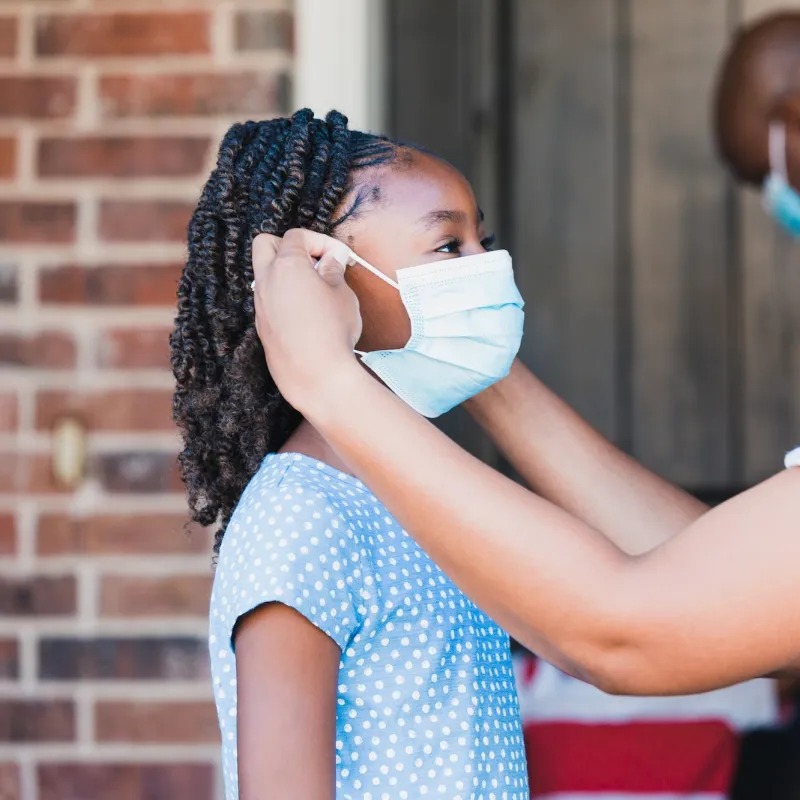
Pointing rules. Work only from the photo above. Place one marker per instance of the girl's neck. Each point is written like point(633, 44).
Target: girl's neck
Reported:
point(307, 441)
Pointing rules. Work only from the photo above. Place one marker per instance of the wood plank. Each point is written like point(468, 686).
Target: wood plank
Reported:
point(771, 335)
point(443, 68)
point(425, 76)
point(679, 244)
point(565, 198)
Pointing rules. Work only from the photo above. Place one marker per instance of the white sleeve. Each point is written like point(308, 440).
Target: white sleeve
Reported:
point(793, 458)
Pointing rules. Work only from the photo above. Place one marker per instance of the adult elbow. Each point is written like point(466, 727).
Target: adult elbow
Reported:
point(622, 657)
point(632, 668)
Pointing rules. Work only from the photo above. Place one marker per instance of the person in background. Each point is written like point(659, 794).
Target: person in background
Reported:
point(757, 113)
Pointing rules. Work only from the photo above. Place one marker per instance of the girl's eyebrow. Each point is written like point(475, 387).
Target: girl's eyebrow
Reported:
point(439, 215)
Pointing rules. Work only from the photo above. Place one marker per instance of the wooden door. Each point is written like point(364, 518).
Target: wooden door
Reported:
point(661, 301)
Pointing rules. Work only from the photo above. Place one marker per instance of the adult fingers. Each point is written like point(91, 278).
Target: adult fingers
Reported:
point(298, 245)
point(265, 249)
point(317, 246)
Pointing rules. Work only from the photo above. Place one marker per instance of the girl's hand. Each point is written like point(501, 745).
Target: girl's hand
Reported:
point(307, 317)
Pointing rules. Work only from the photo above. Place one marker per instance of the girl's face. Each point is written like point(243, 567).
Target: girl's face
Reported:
point(420, 211)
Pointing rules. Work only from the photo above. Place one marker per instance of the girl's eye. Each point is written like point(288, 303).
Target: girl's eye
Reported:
point(451, 248)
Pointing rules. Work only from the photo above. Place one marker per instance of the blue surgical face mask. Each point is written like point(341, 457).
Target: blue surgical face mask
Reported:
point(780, 199)
point(466, 328)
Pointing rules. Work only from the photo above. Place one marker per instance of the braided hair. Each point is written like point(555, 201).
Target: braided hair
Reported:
point(270, 176)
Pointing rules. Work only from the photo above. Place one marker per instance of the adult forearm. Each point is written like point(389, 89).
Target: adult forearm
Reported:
point(715, 605)
point(509, 550)
point(568, 462)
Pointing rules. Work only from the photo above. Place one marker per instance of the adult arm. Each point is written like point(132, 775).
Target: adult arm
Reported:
point(715, 605)
point(566, 461)
point(286, 674)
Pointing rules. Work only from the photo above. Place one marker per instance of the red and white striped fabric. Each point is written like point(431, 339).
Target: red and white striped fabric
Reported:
point(583, 744)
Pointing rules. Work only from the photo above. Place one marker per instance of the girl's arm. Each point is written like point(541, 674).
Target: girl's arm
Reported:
point(567, 462)
point(715, 605)
point(286, 673)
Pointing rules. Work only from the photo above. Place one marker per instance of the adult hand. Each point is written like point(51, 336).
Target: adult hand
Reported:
point(306, 316)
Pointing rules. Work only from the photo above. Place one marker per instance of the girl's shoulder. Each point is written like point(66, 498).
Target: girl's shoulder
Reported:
point(289, 540)
point(292, 497)
point(294, 470)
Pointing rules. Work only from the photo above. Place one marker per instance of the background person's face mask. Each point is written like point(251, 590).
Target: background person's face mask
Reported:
point(780, 199)
point(466, 329)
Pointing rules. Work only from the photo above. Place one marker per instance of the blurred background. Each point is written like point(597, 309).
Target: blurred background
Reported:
point(661, 302)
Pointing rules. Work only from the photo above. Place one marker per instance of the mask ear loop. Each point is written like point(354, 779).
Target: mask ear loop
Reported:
point(777, 149)
point(378, 274)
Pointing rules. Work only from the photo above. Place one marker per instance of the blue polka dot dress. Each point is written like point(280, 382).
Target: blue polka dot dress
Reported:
point(427, 705)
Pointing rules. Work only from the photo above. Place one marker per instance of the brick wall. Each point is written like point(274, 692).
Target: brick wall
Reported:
point(110, 111)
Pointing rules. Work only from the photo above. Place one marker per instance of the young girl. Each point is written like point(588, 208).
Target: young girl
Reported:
point(345, 663)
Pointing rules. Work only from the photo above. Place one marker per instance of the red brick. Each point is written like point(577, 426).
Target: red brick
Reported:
point(107, 658)
point(31, 222)
point(8, 45)
point(264, 30)
point(138, 473)
point(8, 537)
point(175, 595)
point(9, 661)
point(38, 596)
point(10, 788)
point(123, 34)
point(8, 160)
point(117, 410)
point(46, 350)
point(156, 723)
point(149, 534)
point(111, 285)
point(27, 473)
point(134, 348)
point(8, 412)
point(37, 721)
point(210, 93)
point(82, 781)
point(144, 220)
point(31, 97)
point(123, 157)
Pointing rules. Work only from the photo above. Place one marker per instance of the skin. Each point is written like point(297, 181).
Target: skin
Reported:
point(286, 667)
point(713, 599)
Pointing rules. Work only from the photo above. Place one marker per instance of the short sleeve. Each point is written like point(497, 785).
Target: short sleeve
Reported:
point(291, 544)
point(793, 458)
